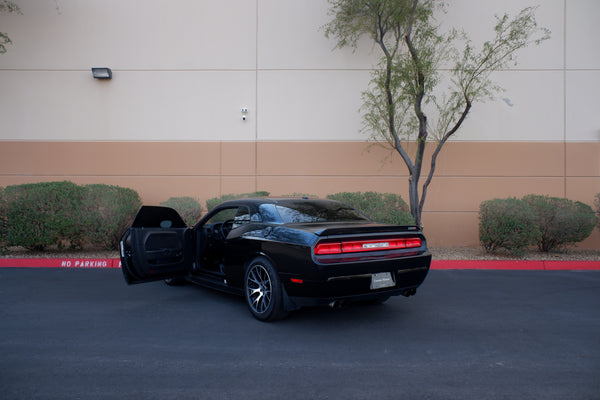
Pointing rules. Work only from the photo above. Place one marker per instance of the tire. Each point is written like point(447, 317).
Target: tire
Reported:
point(263, 291)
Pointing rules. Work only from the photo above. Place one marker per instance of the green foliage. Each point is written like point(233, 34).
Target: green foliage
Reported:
point(406, 91)
point(8, 7)
point(561, 222)
point(4, 40)
point(387, 208)
point(301, 195)
point(106, 212)
point(3, 226)
point(550, 223)
point(39, 215)
point(597, 204)
point(212, 203)
point(189, 208)
point(507, 224)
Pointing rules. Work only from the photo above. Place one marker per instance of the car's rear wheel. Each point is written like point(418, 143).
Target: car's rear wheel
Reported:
point(263, 291)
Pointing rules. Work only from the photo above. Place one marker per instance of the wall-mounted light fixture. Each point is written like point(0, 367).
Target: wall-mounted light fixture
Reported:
point(101, 73)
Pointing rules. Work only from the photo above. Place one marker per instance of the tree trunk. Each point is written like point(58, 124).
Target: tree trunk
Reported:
point(413, 187)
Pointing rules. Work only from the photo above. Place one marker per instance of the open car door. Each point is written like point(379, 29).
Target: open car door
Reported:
point(158, 245)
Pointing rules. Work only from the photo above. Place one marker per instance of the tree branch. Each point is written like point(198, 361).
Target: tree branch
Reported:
point(438, 148)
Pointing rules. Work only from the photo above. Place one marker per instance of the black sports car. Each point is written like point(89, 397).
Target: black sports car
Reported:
point(280, 254)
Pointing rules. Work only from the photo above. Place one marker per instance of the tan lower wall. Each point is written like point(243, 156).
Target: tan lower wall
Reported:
point(467, 173)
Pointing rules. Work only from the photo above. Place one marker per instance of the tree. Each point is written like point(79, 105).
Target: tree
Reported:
point(406, 84)
point(7, 6)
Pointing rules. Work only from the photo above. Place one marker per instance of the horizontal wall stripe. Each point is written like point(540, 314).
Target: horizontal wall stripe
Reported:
point(467, 174)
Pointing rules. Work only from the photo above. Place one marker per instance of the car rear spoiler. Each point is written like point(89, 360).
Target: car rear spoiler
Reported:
point(367, 229)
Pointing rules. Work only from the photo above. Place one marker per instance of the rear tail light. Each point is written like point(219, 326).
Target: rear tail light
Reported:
point(366, 245)
point(328, 248)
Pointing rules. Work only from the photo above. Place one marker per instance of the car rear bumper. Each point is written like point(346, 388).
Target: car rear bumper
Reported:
point(355, 284)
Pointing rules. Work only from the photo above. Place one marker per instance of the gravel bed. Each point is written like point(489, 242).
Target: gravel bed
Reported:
point(477, 253)
point(18, 252)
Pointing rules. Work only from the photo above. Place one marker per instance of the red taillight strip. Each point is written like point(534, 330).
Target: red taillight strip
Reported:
point(328, 248)
point(366, 245)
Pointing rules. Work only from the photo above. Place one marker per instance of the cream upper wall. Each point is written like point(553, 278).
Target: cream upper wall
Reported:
point(583, 105)
point(291, 36)
point(131, 34)
point(531, 107)
point(310, 105)
point(583, 50)
point(477, 18)
point(140, 105)
point(184, 68)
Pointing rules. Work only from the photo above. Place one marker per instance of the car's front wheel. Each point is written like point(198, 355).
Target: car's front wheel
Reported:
point(263, 291)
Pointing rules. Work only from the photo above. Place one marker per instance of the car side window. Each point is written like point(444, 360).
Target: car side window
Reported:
point(239, 216)
point(223, 215)
point(242, 217)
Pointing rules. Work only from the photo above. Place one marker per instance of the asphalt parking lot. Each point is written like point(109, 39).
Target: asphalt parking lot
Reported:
point(84, 334)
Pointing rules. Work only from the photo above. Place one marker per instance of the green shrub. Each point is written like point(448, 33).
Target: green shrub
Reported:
point(212, 203)
point(188, 207)
point(106, 212)
point(2, 221)
point(301, 195)
point(597, 204)
point(39, 215)
point(508, 224)
point(387, 208)
point(561, 222)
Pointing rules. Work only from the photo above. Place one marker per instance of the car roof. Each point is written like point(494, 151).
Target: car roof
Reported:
point(274, 200)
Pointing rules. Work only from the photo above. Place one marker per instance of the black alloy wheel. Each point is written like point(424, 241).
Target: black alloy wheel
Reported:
point(263, 291)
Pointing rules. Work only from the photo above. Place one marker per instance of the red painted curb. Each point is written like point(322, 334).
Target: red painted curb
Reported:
point(435, 264)
point(576, 265)
point(520, 265)
point(60, 263)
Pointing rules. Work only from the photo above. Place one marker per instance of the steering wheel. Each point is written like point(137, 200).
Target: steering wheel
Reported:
point(226, 227)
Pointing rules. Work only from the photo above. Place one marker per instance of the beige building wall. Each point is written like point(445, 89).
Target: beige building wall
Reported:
point(169, 123)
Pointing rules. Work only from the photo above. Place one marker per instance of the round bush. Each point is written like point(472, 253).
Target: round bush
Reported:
point(388, 208)
point(106, 212)
point(597, 204)
point(188, 208)
point(508, 224)
point(561, 222)
point(2, 220)
point(215, 201)
point(38, 215)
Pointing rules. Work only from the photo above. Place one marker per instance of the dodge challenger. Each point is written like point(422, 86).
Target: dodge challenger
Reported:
point(279, 254)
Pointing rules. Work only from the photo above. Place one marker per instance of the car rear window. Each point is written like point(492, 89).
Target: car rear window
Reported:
point(303, 211)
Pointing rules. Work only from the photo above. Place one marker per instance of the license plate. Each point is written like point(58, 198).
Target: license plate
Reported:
point(382, 280)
